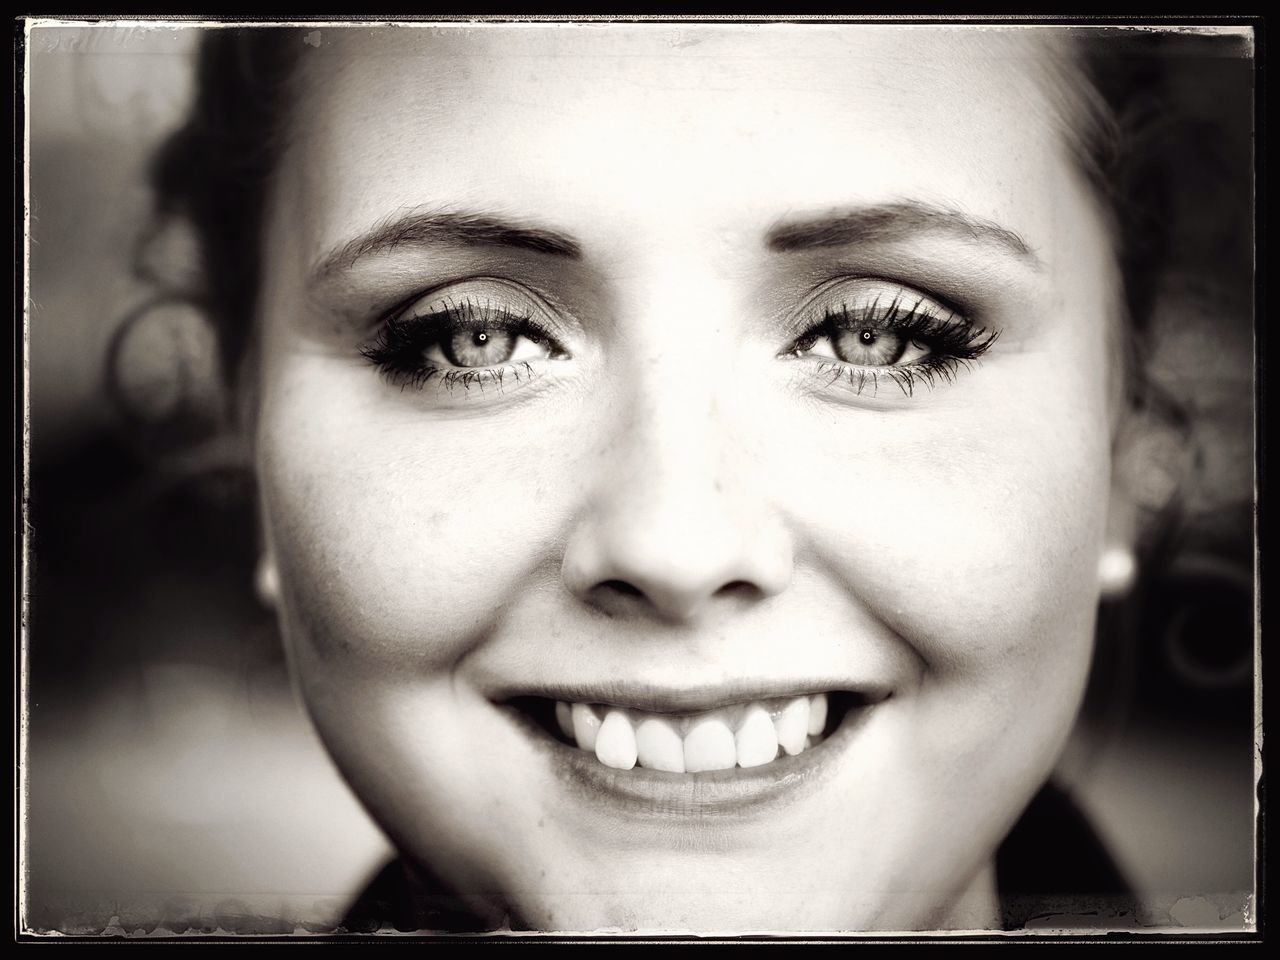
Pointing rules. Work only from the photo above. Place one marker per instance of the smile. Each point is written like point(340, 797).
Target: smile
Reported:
point(741, 735)
point(726, 757)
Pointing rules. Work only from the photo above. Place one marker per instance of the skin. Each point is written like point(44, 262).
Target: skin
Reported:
point(771, 522)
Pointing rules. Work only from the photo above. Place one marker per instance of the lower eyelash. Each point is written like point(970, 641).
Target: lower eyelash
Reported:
point(451, 379)
point(927, 371)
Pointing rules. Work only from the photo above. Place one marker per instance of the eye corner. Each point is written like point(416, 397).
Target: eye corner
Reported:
point(802, 343)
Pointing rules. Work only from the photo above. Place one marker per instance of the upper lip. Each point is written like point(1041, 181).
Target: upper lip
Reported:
point(649, 698)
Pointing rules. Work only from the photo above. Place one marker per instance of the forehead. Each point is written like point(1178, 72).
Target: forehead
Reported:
point(727, 126)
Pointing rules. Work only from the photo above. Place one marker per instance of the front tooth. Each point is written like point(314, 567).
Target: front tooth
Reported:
point(817, 713)
point(757, 743)
point(616, 741)
point(709, 745)
point(793, 725)
point(586, 725)
point(659, 746)
point(564, 717)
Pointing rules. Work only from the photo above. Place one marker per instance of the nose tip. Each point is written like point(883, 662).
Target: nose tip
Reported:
point(676, 519)
point(675, 568)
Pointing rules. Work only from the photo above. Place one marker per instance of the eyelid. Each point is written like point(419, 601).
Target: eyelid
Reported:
point(806, 317)
point(440, 298)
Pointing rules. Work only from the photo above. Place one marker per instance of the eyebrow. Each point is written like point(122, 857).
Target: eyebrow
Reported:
point(894, 221)
point(465, 229)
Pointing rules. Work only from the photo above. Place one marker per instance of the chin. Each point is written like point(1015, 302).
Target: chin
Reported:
point(688, 894)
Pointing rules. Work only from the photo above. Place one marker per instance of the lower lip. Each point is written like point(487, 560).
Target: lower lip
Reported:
point(644, 794)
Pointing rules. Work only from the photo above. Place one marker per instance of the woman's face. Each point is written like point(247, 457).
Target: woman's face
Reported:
point(651, 369)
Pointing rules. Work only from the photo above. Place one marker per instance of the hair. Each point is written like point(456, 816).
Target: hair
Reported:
point(215, 170)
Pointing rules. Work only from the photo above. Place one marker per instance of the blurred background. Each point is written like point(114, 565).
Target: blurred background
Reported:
point(172, 781)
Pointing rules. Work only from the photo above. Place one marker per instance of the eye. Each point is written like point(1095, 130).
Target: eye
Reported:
point(865, 344)
point(485, 331)
point(872, 329)
point(472, 338)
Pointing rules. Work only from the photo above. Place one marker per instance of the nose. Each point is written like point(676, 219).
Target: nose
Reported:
point(675, 524)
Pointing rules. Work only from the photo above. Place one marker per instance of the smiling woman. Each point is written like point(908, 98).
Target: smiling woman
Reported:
point(687, 472)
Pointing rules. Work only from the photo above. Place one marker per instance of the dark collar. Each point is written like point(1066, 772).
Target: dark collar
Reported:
point(1053, 870)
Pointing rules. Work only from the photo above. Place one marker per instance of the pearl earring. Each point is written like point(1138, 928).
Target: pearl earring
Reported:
point(1117, 570)
point(266, 583)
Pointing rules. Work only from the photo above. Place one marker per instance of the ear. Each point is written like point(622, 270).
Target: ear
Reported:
point(266, 580)
point(244, 409)
point(1117, 563)
point(1150, 464)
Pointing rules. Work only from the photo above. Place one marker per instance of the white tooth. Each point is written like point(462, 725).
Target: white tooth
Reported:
point(585, 726)
point(757, 743)
point(658, 745)
point(709, 745)
point(616, 741)
point(793, 725)
point(564, 717)
point(817, 713)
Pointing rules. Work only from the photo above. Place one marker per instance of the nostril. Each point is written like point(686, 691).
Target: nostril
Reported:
point(741, 590)
point(615, 596)
point(620, 586)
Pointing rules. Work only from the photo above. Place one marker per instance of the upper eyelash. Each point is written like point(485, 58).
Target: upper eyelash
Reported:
point(953, 335)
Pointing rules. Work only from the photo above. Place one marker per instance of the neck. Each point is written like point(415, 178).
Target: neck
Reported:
point(978, 905)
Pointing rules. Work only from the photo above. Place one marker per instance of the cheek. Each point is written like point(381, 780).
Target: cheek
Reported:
point(972, 528)
point(970, 532)
point(400, 538)
point(1004, 533)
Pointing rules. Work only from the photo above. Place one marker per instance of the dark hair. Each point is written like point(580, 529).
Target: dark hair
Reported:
point(213, 172)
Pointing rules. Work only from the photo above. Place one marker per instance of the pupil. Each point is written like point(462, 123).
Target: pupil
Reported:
point(867, 337)
point(482, 338)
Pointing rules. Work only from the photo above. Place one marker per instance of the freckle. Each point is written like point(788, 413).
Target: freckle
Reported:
point(542, 821)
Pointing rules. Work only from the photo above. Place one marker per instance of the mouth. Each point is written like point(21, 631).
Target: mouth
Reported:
point(657, 756)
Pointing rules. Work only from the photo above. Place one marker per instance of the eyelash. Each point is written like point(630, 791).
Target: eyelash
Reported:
point(397, 350)
point(953, 343)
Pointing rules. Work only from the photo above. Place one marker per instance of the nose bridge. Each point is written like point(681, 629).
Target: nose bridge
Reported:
point(677, 436)
point(676, 519)
point(674, 478)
